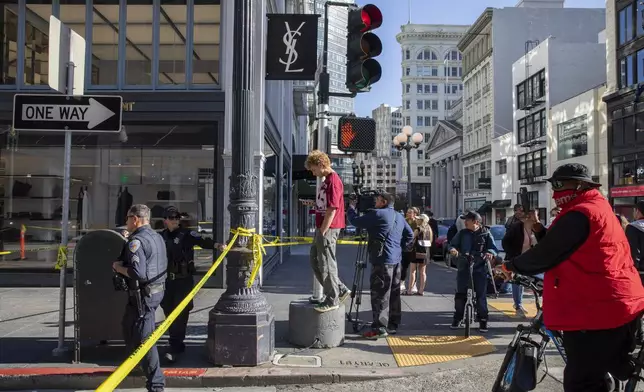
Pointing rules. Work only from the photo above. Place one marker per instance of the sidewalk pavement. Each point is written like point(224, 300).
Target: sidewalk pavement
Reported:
point(424, 344)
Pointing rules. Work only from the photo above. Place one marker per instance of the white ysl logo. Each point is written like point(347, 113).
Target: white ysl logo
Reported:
point(290, 41)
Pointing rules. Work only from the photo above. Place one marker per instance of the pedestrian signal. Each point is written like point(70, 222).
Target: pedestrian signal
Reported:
point(356, 134)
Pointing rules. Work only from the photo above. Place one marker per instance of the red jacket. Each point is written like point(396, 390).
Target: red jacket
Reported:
point(598, 286)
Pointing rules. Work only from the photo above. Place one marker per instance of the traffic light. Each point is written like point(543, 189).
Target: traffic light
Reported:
point(356, 134)
point(362, 46)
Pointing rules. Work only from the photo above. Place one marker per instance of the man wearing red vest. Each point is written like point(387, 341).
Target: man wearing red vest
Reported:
point(592, 291)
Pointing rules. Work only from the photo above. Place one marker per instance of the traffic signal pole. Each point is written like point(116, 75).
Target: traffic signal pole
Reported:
point(323, 114)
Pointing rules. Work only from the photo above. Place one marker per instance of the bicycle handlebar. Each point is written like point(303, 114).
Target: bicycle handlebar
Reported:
point(529, 282)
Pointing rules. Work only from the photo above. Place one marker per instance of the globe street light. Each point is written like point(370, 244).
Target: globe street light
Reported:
point(408, 140)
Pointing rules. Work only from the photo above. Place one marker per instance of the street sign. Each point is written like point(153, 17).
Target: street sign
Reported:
point(57, 113)
point(66, 46)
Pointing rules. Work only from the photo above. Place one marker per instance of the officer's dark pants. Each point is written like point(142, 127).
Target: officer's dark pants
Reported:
point(385, 295)
point(591, 354)
point(479, 275)
point(175, 291)
point(135, 330)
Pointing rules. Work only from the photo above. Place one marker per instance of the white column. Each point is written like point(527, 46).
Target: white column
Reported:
point(441, 182)
point(450, 189)
point(431, 181)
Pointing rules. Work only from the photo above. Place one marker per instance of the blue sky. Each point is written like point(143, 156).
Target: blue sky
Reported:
point(396, 13)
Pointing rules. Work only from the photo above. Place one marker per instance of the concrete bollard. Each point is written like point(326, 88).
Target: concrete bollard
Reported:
point(309, 328)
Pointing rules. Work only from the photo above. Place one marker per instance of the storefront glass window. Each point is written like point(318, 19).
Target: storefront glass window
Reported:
point(286, 197)
point(269, 216)
point(172, 42)
point(105, 42)
point(9, 44)
point(629, 172)
point(37, 43)
point(159, 165)
point(207, 39)
point(138, 47)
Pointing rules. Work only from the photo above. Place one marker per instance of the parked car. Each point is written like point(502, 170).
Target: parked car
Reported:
point(437, 250)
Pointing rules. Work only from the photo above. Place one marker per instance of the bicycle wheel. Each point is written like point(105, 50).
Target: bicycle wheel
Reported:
point(631, 384)
point(468, 320)
point(506, 372)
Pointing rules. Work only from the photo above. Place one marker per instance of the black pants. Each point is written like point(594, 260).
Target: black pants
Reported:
point(385, 295)
point(592, 354)
point(175, 291)
point(136, 330)
point(479, 277)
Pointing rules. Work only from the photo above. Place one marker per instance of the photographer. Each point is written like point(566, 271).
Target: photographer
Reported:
point(142, 273)
point(389, 233)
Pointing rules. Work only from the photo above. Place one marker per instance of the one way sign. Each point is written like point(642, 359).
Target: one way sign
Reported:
point(56, 113)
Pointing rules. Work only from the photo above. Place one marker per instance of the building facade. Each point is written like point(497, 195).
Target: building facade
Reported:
point(543, 78)
point(431, 82)
point(625, 111)
point(172, 64)
point(383, 166)
point(505, 178)
point(494, 42)
point(444, 150)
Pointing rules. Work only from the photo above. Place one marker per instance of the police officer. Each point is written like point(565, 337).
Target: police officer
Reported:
point(180, 243)
point(144, 265)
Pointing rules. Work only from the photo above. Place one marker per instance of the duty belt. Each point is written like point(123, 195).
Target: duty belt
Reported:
point(154, 289)
point(173, 276)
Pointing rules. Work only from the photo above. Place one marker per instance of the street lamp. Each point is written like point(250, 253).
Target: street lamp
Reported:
point(456, 188)
point(358, 175)
point(408, 140)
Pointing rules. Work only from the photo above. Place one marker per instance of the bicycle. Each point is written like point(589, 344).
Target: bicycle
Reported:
point(470, 298)
point(525, 354)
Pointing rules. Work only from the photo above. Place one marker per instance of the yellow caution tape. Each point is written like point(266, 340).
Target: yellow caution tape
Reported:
point(126, 367)
point(61, 258)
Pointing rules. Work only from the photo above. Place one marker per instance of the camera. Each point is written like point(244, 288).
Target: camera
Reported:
point(366, 200)
point(120, 282)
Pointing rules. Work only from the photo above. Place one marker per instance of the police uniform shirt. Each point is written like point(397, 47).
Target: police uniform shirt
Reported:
point(180, 244)
point(146, 256)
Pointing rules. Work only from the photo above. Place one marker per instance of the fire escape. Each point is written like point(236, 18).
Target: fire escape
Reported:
point(534, 98)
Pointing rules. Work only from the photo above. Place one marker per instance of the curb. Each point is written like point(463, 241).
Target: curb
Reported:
point(90, 378)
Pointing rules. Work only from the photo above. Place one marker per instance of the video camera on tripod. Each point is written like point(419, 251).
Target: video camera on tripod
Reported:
point(366, 199)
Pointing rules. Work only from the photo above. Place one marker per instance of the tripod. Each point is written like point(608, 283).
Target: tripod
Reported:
point(358, 283)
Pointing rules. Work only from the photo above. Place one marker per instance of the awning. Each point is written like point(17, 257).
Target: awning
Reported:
point(299, 172)
point(485, 208)
point(505, 203)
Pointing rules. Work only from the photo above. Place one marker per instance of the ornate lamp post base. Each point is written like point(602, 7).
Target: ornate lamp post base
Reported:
point(240, 339)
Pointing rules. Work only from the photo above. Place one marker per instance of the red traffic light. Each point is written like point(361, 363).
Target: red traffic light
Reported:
point(366, 18)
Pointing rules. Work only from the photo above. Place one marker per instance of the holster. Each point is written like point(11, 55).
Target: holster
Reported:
point(137, 297)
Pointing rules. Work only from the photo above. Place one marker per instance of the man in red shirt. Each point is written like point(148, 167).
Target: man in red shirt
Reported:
point(329, 220)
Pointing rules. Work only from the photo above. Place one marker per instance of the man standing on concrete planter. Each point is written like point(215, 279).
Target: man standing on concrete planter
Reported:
point(329, 220)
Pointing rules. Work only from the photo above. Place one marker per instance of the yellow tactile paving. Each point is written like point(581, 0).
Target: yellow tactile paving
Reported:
point(426, 350)
point(507, 308)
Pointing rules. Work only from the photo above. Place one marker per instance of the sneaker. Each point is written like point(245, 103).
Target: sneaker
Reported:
point(402, 287)
point(483, 325)
point(520, 311)
point(315, 301)
point(391, 330)
point(375, 334)
point(344, 295)
point(455, 325)
point(326, 307)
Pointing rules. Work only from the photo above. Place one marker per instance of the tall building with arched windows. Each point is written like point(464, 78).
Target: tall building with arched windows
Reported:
point(431, 83)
